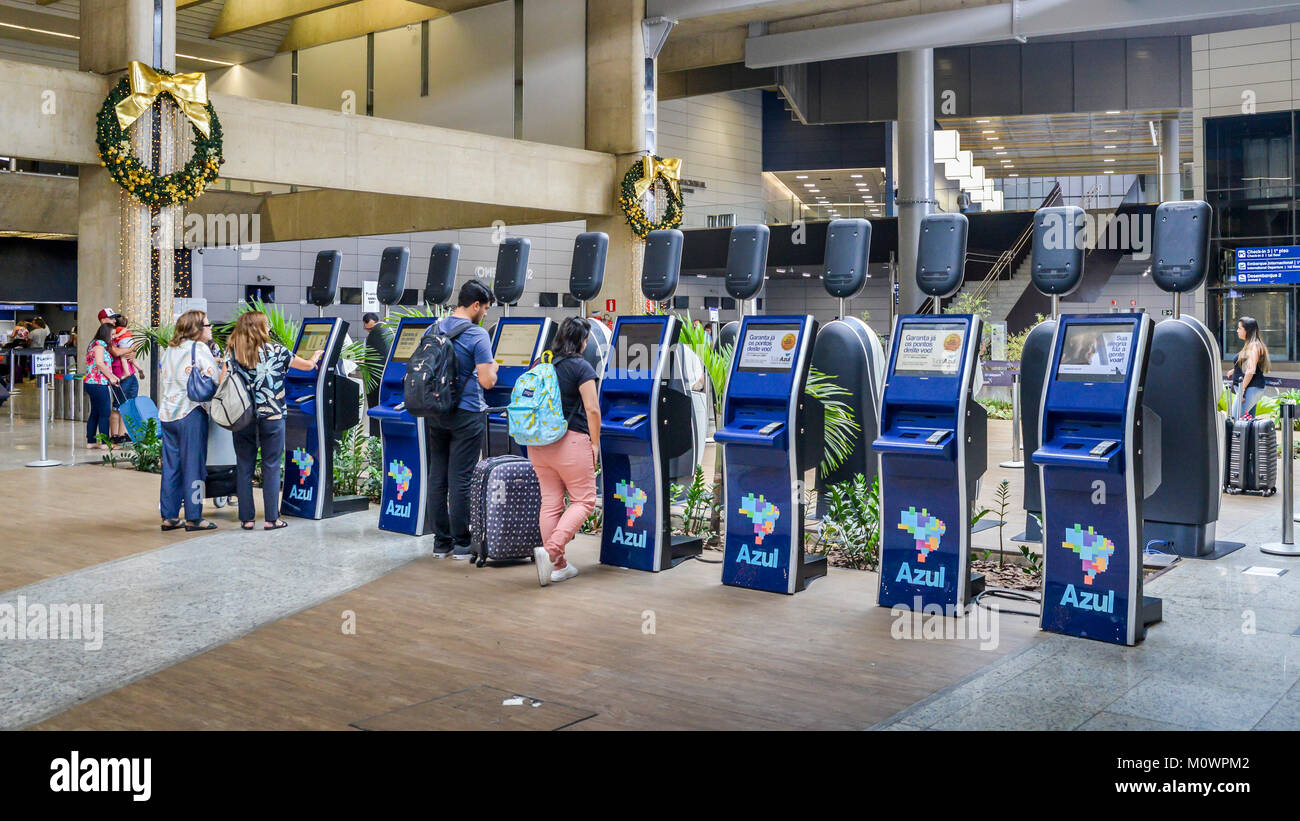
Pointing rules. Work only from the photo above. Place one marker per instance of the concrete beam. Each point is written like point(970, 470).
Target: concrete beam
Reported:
point(994, 23)
point(296, 145)
point(709, 48)
point(242, 15)
point(354, 20)
point(714, 79)
point(38, 204)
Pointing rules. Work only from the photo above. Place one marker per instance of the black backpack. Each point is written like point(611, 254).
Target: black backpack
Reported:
point(432, 386)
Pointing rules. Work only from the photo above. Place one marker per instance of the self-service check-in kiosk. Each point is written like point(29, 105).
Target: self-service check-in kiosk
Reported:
point(933, 443)
point(321, 404)
point(771, 434)
point(402, 500)
point(645, 428)
point(1098, 459)
point(1182, 389)
point(516, 341)
point(849, 351)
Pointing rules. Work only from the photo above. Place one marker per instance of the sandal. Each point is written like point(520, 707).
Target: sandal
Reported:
point(246, 526)
point(172, 524)
point(202, 525)
point(279, 523)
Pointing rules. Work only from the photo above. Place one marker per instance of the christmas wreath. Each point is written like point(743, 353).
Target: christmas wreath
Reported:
point(641, 177)
point(130, 98)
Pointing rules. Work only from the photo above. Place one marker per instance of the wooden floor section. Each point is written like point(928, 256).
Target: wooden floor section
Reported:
point(718, 657)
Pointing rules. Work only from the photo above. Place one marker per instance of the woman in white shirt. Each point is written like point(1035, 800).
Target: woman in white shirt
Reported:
point(185, 422)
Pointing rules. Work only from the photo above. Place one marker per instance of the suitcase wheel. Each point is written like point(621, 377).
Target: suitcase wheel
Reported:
point(220, 501)
point(482, 560)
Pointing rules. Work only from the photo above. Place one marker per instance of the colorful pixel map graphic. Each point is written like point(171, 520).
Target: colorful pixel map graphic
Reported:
point(304, 461)
point(924, 528)
point(762, 513)
point(400, 474)
point(632, 497)
point(1093, 548)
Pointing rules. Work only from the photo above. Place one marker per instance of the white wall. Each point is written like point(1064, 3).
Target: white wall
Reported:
point(719, 138)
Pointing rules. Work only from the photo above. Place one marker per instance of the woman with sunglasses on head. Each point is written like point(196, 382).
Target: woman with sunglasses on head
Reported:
point(185, 422)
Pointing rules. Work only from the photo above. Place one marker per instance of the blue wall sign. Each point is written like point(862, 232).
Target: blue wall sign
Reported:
point(1268, 266)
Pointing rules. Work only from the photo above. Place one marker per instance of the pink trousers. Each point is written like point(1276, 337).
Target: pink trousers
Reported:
point(564, 465)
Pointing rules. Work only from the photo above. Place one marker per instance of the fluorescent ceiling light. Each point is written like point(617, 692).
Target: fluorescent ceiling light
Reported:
point(1112, 112)
point(801, 176)
point(856, 176)
point(1109, 159)
point(1108, 147)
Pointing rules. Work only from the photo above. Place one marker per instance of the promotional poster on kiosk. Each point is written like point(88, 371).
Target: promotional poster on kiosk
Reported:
point(303, 467)
point(758, 530)
point(403, 460)
point(628, 538)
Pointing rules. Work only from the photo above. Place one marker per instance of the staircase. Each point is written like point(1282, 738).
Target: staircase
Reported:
point(1002, 294)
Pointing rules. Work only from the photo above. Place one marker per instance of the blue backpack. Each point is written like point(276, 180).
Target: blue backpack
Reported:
point(536, 411)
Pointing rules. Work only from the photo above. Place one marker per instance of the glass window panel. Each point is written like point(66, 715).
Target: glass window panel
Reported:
point(1271, 309)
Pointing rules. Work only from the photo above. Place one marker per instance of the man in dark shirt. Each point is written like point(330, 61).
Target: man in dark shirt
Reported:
point(378, 341)
point(456, 439)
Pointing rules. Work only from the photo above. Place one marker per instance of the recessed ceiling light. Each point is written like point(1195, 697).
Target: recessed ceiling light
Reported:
point(1110, 172)
point(998, 147)
point(982, 122)
point(856, 176)
point(1109, 159)
point(1112, 112)
point(1108, 146)
point(991, 138)
point(810, 185)
point(1001, 154)
point(1013, 175)
point(1008, 166)
point(801, 176)
point(990, 131)
point(1111, 131)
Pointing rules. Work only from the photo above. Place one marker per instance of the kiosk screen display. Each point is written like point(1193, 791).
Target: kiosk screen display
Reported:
point(637, 346)
point(1095, 353)
point(407, 342)
point(930, 349)
point(314, 338)
point(769, 348)
point(515, 345)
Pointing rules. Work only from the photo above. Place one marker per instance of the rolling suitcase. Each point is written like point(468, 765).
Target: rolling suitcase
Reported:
point(219, 486)
point(1251, 456)
point(136, 414)
point(505, 503)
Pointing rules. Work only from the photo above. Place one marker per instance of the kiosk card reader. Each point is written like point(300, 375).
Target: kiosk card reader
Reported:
point(645, 425)
point(403, 497)
point(321, 404)
point(1095, 471)
point(771, 434)
point(933, 443)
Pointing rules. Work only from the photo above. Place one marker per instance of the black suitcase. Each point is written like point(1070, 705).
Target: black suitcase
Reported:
point(1251, 456)
point(505, 501)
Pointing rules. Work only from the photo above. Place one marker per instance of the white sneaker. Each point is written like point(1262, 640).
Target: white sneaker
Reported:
point(567, 572)
point(544, 565)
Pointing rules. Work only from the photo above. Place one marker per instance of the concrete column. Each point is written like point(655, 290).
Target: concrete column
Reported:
point(915, 165)
point(113, 33)
point(1171, 186)
point(616, 125)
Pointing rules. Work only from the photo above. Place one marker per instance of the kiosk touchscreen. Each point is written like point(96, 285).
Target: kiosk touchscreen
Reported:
point(1095, 475)
point(933, 449)
point(321, 404)
point(645, 424)
point(402, 499)
point(517, 341)
point(771, 435)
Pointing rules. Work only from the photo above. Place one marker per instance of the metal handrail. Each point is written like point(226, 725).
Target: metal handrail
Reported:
point(1006, 258)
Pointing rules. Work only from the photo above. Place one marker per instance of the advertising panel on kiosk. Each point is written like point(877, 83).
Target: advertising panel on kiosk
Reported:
point(1094, 478)
point(932, 450)
point(402, 501)
point(320, 405)
point(645, 423)
point(771, 435)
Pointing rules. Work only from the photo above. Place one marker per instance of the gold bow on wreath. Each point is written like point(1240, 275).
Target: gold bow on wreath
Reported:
point(190, 91)
point(651, 167)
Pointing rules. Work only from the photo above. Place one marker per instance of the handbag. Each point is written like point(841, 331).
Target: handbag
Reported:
point(200, 387)
point(232, 405)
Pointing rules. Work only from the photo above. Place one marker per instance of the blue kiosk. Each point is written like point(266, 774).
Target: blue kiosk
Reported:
point(771, 434)
point(933, 442)
point(403, 497)
point(321, 404)
point(645, 425)
point(1098, 459)
point(516, 341)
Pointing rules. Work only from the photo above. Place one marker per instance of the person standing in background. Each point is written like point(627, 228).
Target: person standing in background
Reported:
point(378, 342)
point(99, 381)
point(122, 346)
point(39, 333)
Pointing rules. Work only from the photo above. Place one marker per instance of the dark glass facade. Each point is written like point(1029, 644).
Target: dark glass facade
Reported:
point(1250, 182)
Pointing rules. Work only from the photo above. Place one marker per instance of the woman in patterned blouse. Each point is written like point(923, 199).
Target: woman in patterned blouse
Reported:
point(99, 378)
point(262, 365)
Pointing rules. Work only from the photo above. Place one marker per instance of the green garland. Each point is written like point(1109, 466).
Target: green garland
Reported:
point(636, 216)
point(143, 185)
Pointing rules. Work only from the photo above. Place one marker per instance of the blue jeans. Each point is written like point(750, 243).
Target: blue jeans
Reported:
point(184, 465)
point(1248, 401)
point(101, 407)
point(127, 389)
point(269, 433)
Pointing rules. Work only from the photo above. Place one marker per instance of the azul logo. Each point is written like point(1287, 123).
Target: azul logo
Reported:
point(1093, 548)
point(629, 539)
point(300, 493)
point(1089, 600)
point(919, 577)
point(925, 529)
point(304, 461)
point(401, 476)
point(633, 499)
point(763, 514)
point(757, 558)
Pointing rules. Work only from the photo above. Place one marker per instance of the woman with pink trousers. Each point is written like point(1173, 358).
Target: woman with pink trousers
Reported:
point(568, 465)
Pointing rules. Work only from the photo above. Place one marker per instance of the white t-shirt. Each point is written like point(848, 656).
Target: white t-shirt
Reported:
point(38, 337)
point(174, 401)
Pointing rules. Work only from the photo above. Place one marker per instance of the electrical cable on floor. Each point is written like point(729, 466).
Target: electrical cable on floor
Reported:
point(1013, 595)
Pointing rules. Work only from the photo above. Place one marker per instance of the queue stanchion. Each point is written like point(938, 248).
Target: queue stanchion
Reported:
point(1016, 461)
point(43, 367)
point(1286, 547)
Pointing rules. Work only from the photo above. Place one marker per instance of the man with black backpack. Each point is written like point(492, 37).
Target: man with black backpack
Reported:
point(454, 418)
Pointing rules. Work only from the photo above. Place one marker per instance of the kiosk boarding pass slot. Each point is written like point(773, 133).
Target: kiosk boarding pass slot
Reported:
point(1092, 478)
